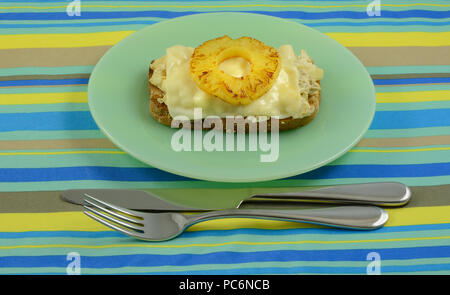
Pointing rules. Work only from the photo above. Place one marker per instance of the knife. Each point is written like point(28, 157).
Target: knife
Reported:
point(385, 194)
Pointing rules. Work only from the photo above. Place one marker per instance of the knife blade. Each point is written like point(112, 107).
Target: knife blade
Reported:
point(385, 194)
point(131, 199)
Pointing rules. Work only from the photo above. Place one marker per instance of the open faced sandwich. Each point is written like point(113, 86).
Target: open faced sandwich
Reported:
point(235, 77)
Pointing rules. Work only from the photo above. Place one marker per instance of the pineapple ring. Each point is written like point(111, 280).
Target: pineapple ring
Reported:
point(265, 67)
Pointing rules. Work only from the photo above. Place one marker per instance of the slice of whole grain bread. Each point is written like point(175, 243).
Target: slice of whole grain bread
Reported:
point(160, 112)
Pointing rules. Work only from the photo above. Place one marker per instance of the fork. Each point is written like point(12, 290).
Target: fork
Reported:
point(168, 225)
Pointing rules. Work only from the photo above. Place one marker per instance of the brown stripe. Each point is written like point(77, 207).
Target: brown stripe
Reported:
point(106, 143)
point(410, 76)
point(86, 76)
point(65, 85)
point(44, 77)
point(417, 84)
point(370, 56)
point(405, 141)
point(50, 201)
point(51, 57)
point(402, 56)
point(56, 144)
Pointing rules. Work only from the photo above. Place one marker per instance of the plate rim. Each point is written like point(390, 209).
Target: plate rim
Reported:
point(204, 177)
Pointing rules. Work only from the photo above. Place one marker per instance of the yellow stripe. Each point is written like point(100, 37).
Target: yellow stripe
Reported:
point(392, 39)
point(110, 38)
point(43, 98)
point(400, 150)
point(227, 6)
point(81, 97)
point(77, 221)
point(121, 152)
point(60, 153)
point(150, 245)
point(414, 96)
point(61, 40)
point(188, 6)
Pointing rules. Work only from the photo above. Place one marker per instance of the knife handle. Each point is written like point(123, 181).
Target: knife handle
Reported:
point(386, 194)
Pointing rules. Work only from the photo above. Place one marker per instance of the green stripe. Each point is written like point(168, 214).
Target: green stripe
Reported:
point(234, 248)
point(73, 30)
point(72, 134)
point(203, 250)
point(432, 238)
point(207, 6)
point(58, 107)
point(46, 70)
point(124, 160)
point(86, 184)
point(68, 160)
point(428, 131)
point(408, 69)
point(227, 3)
point(71, 88)
point(375, 28)
point(310, 2)
point(413, 106)
point(410, 88)
point(76, 20)
point(136, 27)
point(395, 158)
point(88, 70)
point(311, 22)
point(206, 267)
point(65, 134)
point(418, 181)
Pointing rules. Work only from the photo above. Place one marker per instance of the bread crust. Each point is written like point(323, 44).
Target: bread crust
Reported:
point(160, 112)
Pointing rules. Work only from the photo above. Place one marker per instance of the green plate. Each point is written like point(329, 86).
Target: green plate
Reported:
point(119, 103)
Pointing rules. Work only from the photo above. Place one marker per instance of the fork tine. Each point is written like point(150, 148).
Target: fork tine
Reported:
point(134, 213)
point(113, 219)
point(115, 227)
point(114, 213)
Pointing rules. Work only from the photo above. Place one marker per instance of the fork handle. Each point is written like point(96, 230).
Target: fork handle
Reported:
point(351, 217)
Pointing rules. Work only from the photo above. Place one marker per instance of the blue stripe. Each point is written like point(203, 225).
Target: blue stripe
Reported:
point(222, 233)
point(411, 119)
point(153, 174)
point(39, 82)
point(86, 173)
point(291, 270)
point(308, 270)
point(172, 14)
point(311, 231)
point(82, 120)
point(84, 81)
point(357, 14)
point(377, 171)
point(47, 121)
point(411, 81)
point(138, 22)
point(144, 22)
point(226, 257)
point(21, 1)
point(403, 23)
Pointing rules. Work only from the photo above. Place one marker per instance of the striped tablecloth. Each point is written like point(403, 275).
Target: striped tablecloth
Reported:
point(49, 142)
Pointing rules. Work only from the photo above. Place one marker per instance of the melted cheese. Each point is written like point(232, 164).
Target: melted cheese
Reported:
point(235, 66)
point(288, 97)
